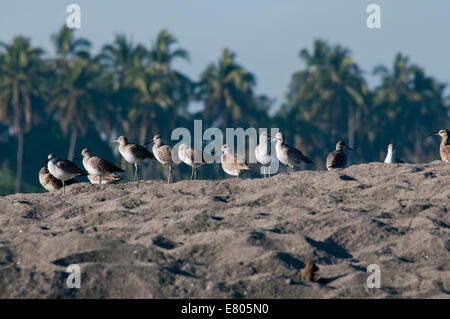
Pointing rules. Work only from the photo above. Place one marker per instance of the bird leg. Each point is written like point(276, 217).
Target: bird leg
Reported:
point(195, 174)
point(100, 183)
point(170, 173)
point(192, 175)
point(136, 176)
point(64, 187)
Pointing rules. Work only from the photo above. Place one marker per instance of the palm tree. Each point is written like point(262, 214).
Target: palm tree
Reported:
point(67, 47)
point(123, 58)
point(227, 91)
point(74, 100)
point(408, 95)
point(22, 78)
point(329, 97)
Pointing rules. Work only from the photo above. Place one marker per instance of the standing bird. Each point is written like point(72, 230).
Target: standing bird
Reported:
point(337, 158)
point(445, 147)
point(390, 156)
point(163, 153)
point(288, 155)
point(50, 182)
point(97, 166)
point(189, 155)
point(63, 169)
point(108, 179)
point(233, 164)
point(261, 151)
point(133, 153)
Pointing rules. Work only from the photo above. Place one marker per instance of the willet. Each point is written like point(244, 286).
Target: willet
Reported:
point(50, 182)
point(63, 169)
point(261, 152)
point(108, 179)
point(98, 166)
point(390, 156)
point(289, 155)
point(188, 155)
point(163, 153)
point(233, 164)
point(133, 153)
point(445, 147)
point(337, 158)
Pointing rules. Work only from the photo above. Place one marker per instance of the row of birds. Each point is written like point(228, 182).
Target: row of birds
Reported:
point(100, 171)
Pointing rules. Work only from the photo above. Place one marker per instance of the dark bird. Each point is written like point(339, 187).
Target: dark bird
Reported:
point(337, 158)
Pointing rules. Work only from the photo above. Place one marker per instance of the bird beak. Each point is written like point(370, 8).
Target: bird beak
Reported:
point(348, 147)
point(115, 141)
point(432, 134)
point(274, 139)
point(43, 163)
point(150, 142)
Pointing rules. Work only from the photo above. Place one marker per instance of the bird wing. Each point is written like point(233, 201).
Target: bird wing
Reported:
point(70, 166)
point(165, 153)
point(236, 160)
point(140, 151)
point(104, 165)
point(298, 156)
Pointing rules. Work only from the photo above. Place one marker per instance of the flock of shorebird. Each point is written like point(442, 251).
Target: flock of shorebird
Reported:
point(100, 171)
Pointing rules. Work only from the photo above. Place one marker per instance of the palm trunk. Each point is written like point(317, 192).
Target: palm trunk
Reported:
point(19, 160)
point(73, 142)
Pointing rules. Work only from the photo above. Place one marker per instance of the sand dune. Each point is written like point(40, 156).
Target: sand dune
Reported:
point(246, 238)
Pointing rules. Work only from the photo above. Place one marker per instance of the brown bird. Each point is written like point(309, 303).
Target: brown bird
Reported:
point(133, 153)
point(445, 147)
point(337, 158)
point(98, 166)
point(50, 182)
point(163, 153)
point(233, 164)
point(108, 179)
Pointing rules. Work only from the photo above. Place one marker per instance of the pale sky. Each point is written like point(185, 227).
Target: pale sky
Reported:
point(266, 35)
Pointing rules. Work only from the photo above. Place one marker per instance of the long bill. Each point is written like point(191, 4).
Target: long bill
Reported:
point(44, 162)
point(432, 134)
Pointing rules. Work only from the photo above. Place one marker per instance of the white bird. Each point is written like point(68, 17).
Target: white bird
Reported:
point(133, 153)
point(192, 157)
point(261, 152)
point(63, 169)
point(390, 156)
point(288, 155)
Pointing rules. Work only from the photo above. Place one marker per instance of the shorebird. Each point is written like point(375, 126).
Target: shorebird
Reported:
point(233, 164)
point(98, 166)
point(444, 149)
point(390, 156)
point(337, 158)
point(108, 179)
point(261, 153)
point(289, 155)
point(50, 182)
point(133, 153)
point(163, 153)
point(188, 155)
point(63, 169)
